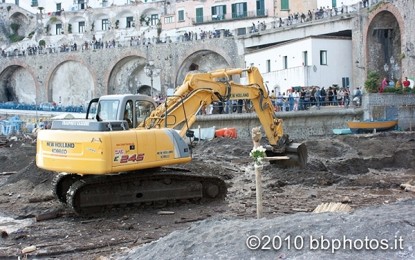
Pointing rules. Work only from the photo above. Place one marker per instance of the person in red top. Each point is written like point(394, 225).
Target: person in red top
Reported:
point(384, 85)
point(406, 83)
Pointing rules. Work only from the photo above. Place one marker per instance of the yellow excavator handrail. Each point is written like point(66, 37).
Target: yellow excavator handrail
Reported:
point(201, 89)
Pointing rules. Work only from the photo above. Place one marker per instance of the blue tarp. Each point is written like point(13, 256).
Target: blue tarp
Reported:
point(11, 126)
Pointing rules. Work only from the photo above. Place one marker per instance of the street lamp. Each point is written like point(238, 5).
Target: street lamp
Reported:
point(392, 62)
point(151, 71)
point(386, 68)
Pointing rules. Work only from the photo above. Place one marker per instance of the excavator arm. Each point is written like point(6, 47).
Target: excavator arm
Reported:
point(199, 90)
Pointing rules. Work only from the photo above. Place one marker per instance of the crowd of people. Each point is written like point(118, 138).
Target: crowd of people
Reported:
point(403, 85)
point(297, 99)
point(316, 14)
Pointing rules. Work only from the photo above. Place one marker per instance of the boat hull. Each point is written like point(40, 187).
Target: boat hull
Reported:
point(372, 125)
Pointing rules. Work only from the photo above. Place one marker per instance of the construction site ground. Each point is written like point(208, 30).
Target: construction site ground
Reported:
point(362, 171)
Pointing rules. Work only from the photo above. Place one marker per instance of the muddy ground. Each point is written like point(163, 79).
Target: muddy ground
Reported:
point(360, 170)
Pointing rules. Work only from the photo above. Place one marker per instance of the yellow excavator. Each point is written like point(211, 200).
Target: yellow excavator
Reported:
point(119, 154)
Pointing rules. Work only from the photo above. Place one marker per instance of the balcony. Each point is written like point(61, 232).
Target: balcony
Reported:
point(229, 17)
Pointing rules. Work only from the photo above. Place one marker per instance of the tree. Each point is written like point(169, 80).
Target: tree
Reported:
point(53, 19)
point(42, 43)
point(372, 82)
point(15, 37)
point(15, 27)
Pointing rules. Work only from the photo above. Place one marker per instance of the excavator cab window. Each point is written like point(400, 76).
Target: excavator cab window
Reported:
point(128, 113)
point(143, 109)
point(107, 110)
point(91, 112)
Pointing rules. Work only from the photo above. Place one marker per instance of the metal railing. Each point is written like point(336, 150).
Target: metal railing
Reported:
point(229, 17)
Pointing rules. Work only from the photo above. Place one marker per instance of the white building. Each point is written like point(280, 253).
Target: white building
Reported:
point(313, 61)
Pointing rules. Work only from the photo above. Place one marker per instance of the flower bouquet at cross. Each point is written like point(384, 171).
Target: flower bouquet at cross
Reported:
point(258, 155)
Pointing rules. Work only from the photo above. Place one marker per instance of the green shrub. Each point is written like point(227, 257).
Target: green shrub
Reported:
point(15, 38)
point(372, 82)
point(15, 27)
point(42, 43)
point(392, 90)
point(53, 19)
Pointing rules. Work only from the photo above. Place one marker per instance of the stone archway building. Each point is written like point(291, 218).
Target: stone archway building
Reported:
point(74, 78)
point(379, 33)
point(383, 43)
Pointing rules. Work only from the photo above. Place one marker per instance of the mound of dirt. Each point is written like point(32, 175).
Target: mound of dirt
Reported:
point(370, 233)
point(361, 170)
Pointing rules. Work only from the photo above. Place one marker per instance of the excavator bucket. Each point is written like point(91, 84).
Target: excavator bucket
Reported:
point(296, 156)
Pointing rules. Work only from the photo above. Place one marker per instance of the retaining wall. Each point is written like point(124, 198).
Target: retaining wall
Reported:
point(387, 106)
point(298, 124)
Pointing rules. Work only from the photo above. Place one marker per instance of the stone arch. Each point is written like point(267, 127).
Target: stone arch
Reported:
point(127, 75)
point(202, 60)
point(97, 20)
point(23, 22)
point(52, 23)
point(145, 90)
point(17, 83)
point(70, 83)
point(383, 37)
point(74, 21)
point(145, 17)
point(121, 17)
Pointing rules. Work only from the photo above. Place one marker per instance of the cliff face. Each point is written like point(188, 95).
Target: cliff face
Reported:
point(16, 25)
point(4, 32)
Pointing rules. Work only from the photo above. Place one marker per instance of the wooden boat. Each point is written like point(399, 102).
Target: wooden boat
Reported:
point(342, 131)
point(379, 125)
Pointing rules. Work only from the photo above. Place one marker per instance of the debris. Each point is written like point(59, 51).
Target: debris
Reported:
point(346, 199)
point(28, 249)
point(300, 210)
point(188, 220)
point(332, 207)
point(43, 198)
point(101, 258)
point(408, 187)
point(165, 212)
point(91, 220)
point(4, 234)
point(8, 173)
point(3, 142)
point(48, 215)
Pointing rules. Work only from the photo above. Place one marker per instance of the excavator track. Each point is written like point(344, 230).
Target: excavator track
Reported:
point(61, 184)
point(95, 194)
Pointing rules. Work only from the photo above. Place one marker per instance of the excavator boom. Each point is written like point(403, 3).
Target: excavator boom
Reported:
point(199, 90)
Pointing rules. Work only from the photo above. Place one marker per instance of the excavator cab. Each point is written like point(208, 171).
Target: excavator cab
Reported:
point(132, 108)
